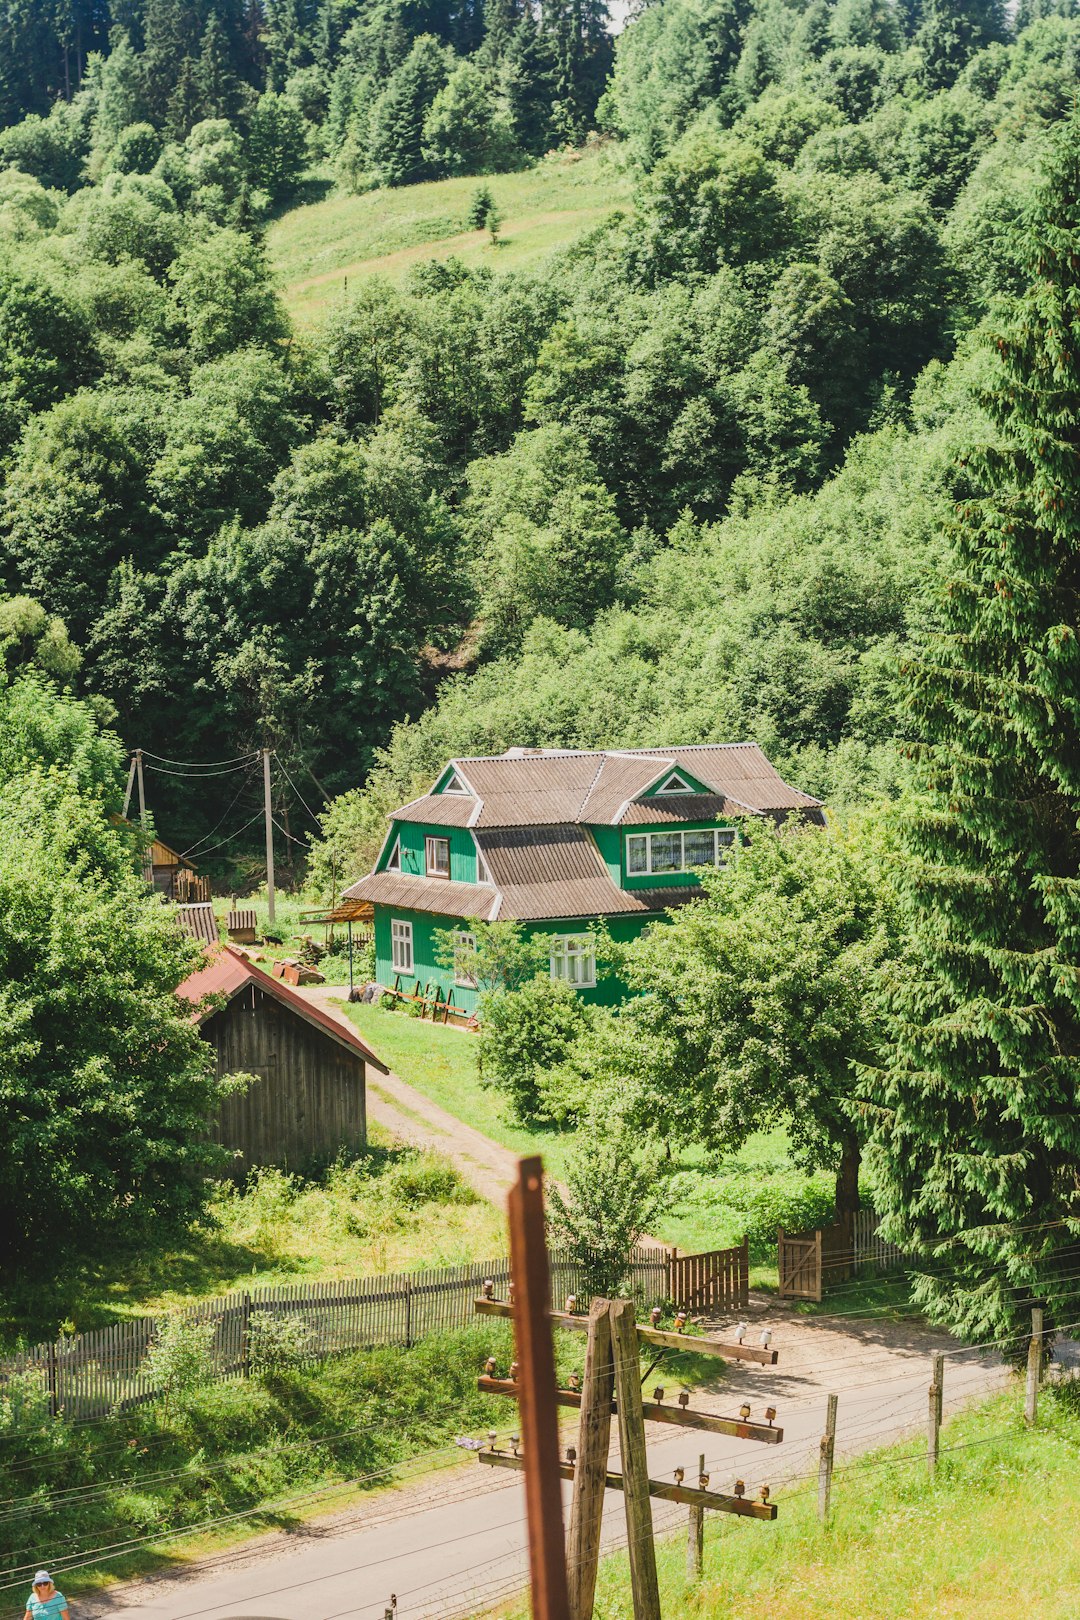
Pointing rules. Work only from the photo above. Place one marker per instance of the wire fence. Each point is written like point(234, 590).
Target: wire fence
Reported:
point(91, 1375)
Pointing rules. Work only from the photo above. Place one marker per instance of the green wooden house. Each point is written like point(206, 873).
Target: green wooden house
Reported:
point(560, 839)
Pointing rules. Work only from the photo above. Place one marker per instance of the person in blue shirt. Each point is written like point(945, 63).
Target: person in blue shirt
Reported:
point(45, 1602)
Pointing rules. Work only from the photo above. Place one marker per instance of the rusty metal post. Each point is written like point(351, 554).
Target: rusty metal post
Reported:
point(536, 1378)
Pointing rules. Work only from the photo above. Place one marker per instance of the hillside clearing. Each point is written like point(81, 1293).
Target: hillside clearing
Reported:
point(314, 248)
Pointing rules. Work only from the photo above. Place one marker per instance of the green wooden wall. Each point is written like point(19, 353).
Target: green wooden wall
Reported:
point(607, 992)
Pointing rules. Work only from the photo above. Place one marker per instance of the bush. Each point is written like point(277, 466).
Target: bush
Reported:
point(276, 1342)
point(526, 1034)
point(179, 1360)
point(612, 1200)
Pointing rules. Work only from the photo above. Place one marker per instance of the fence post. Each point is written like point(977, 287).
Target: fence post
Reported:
point(825, 1461)
point(1034, 1366)
point(744, 1272)
point(934, 1412)
point(695, 1538)
point(635, 1464)
point(408, 1313)
point(54, 1404)
point(245, 1336)
point(590, 1470)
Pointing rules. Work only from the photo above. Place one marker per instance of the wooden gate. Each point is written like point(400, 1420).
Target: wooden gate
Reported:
point(718, 1281)
point(799, 1265)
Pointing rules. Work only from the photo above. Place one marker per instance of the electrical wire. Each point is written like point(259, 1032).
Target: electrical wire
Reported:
point(198, 776)
point(196, 764)
point(221, 842)
point(297, 791)
point(195, 847)
point(288, 835)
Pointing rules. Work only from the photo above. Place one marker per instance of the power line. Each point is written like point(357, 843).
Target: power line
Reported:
point(297, 791)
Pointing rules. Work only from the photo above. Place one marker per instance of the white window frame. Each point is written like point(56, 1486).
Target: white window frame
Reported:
point(573, 959)
point(723, 842)
point(464, 940)
point(456, 785)
point(393, 860)
point(401, 945)
point(674, 782)
point(482, 873)
point(429, 870)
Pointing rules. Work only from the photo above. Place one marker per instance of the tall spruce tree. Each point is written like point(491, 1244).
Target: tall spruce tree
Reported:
point(977, 1150)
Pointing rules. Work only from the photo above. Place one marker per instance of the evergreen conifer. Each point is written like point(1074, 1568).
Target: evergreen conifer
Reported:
point(977, 1153)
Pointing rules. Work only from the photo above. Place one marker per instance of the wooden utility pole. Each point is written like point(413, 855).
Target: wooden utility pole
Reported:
point(268, 816)
point(695, 1533)
point(825, 1461)
point(142, 787)
point(933, 1425)
point(635, 1463)
point(611, 1386)
point(1034, 1367)
point(130, 785)
point(590, 1472)
point(539, 1419)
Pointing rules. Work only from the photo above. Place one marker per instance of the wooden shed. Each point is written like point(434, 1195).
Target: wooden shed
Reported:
point(309, 1097)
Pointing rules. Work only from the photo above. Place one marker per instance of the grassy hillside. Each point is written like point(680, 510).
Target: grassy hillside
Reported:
point(315, 247)
point(996, 1527)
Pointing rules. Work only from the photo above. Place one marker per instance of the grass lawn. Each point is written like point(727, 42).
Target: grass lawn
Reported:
point(313, 248)
point(394, 1209)
point(714, 1204)
point(993, 1535)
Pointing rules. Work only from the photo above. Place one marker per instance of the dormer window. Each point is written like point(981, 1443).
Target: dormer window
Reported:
point(675, 784)
point(482, 873)
point(393, 863)
point(437, 857)
point(455, 784)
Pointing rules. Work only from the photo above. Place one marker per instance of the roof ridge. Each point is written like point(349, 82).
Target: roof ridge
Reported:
point(596, 777)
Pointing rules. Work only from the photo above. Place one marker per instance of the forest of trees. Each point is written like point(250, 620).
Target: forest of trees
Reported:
point(700, 459)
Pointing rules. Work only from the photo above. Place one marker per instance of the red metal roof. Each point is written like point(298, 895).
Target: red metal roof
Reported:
point(228, 971)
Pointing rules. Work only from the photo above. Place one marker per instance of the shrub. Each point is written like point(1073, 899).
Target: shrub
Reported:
point(178, 1359)
point(612, 1199)
point(276, 1341)
point(525, 1034)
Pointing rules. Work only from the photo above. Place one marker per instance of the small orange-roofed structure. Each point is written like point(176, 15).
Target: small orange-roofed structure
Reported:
point(309, 1096)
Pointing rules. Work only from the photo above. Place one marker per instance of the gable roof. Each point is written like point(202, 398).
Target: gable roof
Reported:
point(545, 787)
point(530, 812)
point(226, 972)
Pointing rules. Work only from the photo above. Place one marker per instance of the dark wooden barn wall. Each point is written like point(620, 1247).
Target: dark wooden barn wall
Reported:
point(308, 1098)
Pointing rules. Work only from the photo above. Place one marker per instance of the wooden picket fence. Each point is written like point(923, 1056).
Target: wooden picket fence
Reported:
point(807, 1262)
point(93, 1374)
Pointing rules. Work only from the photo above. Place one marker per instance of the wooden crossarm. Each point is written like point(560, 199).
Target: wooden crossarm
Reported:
point(655, 1412)
point(647, 1335)
point(685, 1494)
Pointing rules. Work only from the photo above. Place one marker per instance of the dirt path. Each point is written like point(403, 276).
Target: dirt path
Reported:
point(488, 1168)
point(453, 1541)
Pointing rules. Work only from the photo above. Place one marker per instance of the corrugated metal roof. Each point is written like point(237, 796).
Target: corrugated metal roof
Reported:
point(545, 872)
point(678, 807)
point(543, 862)
point(619, 778)
point(543, 788)
point(226, 972)
point(531, 790)
point(438, 810)
point(441, 895)
point(199, 921)
point(740, 771)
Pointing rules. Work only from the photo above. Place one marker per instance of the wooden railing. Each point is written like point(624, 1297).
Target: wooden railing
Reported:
point(92, 1374)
